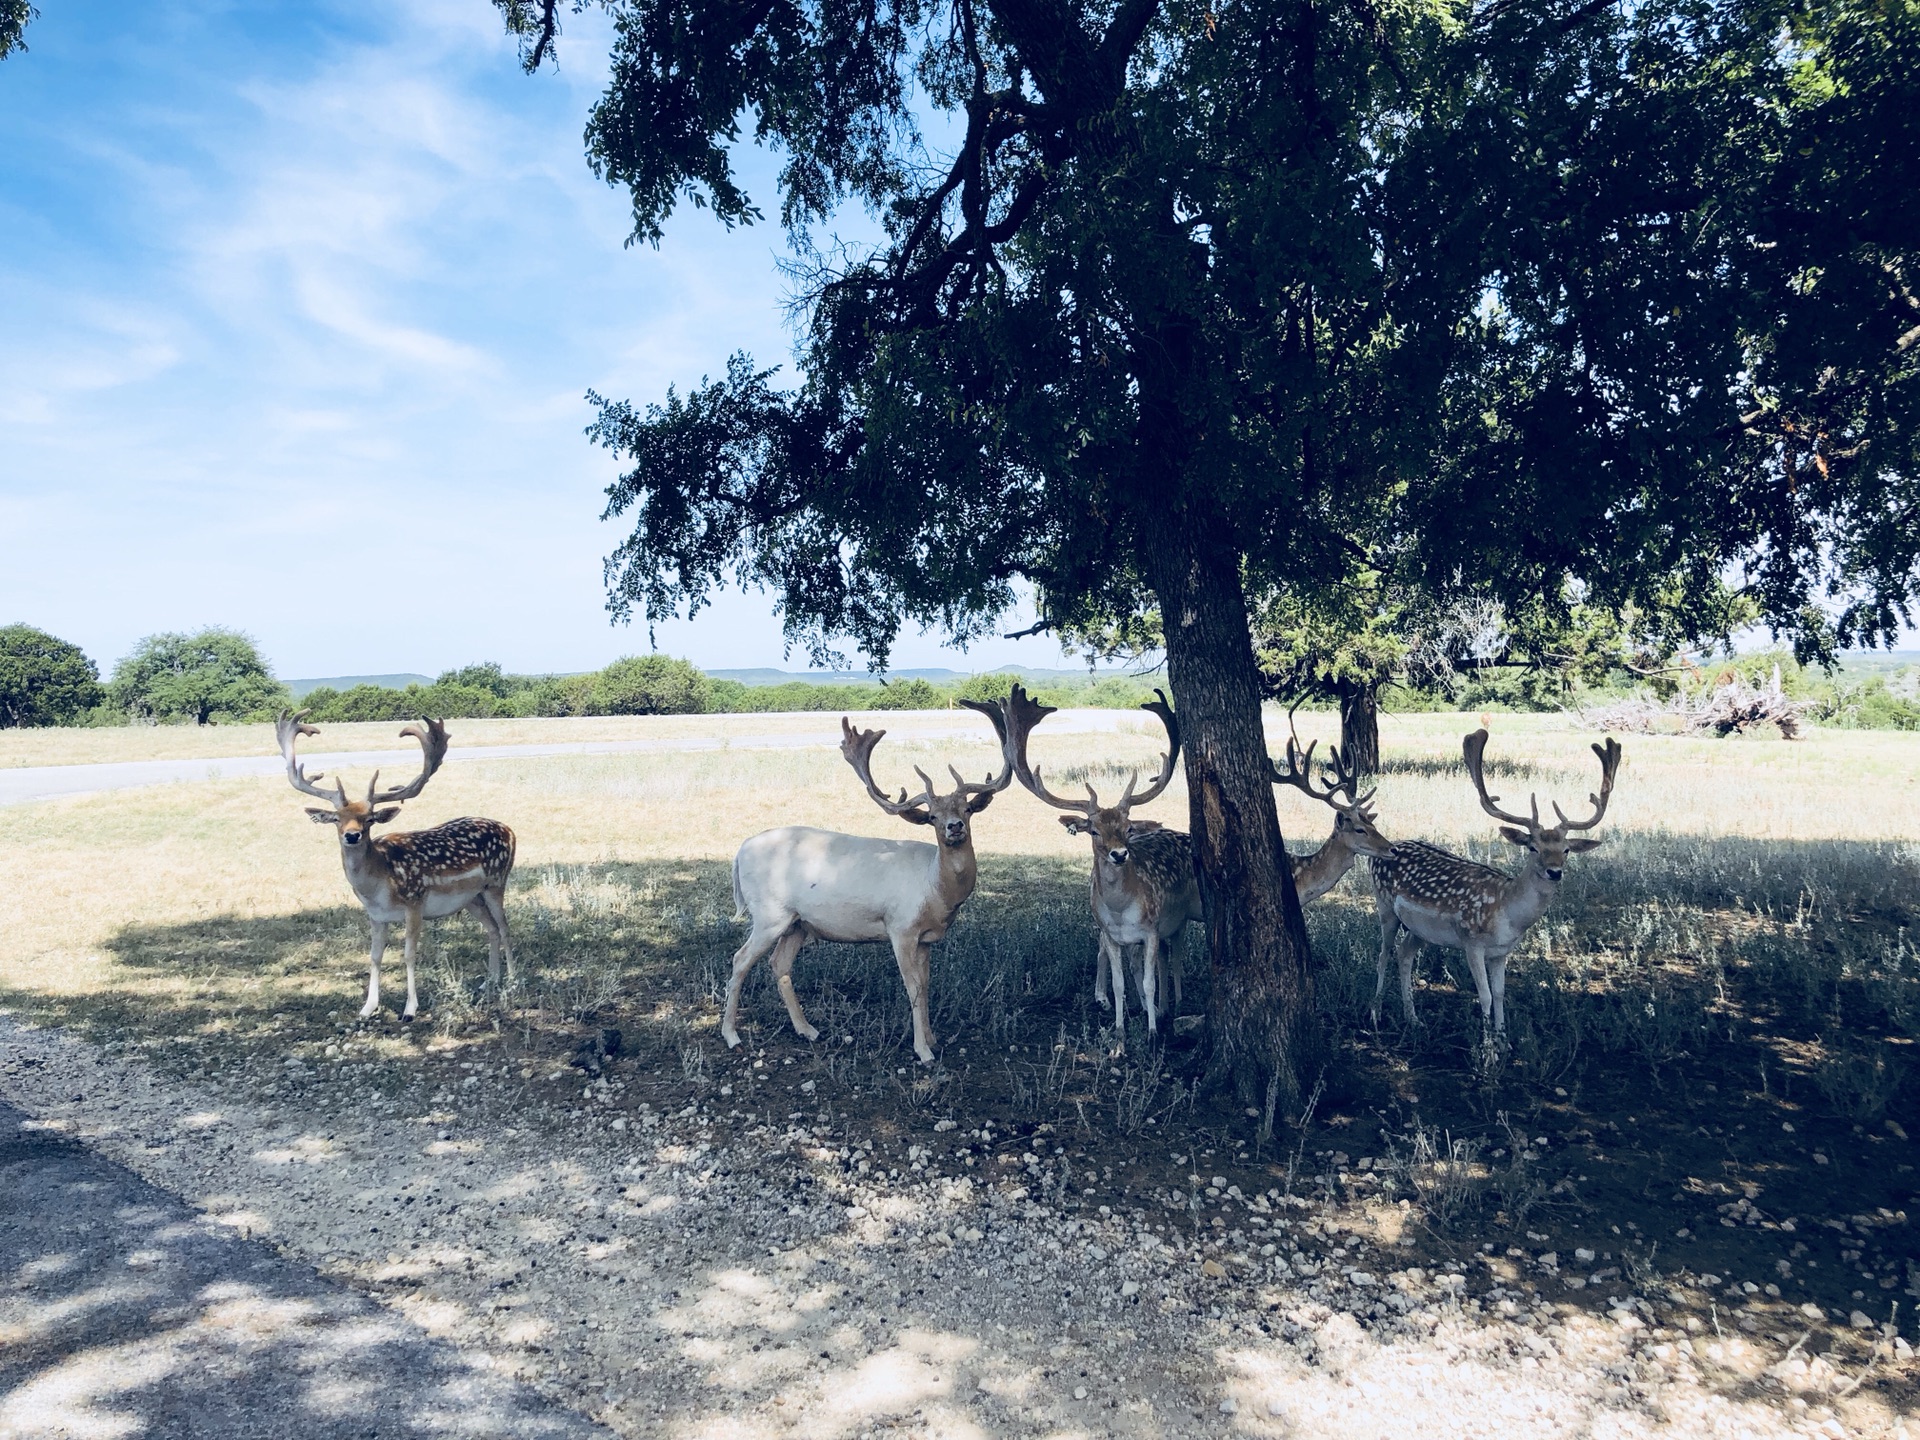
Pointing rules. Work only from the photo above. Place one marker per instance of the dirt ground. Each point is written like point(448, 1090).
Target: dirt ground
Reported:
point(720, 1257)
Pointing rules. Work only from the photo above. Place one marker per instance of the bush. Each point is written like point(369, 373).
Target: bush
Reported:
point(914, 694)
point(44, 680)
point(651, 685)
point(214, 676)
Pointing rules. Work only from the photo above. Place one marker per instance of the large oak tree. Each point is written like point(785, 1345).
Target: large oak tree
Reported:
point(1178, 301)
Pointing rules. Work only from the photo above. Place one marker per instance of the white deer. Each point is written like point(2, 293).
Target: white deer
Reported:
point(1425, 895)
point(799, 884)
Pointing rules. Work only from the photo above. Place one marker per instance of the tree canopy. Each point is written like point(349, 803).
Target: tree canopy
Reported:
point(44, 680)
point(213, 676)
point(1179, 301)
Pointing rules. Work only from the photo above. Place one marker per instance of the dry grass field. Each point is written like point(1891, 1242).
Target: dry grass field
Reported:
point(1712, 1077)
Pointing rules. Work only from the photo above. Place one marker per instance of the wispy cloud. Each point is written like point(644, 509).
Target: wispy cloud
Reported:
point(291, 285)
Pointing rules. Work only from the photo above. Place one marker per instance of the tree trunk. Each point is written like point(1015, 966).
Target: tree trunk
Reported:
point(1360, 727)
point(1256, 936)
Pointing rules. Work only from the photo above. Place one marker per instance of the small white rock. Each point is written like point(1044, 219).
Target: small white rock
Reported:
point(1583, 1255)
point(1129, 1288)
point(1228, 1406)
point(1079, 1392)
point(1860, 1320)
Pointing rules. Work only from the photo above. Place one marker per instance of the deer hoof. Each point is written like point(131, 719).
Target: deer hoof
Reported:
point(406, 1017)
point(809, 1033)
point(733, 1040)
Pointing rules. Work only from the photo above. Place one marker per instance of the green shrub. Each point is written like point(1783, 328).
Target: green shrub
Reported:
point(652, 685)
point(44, 680)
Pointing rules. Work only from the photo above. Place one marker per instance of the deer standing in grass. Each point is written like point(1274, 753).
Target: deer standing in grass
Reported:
point(799, 884)
point(1144, 891)
point(1426, 896)
point(1354, 833)
point(416, 875)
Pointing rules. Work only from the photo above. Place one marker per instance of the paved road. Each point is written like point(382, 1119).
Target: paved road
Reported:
point(44, 782)
point(125, 1314)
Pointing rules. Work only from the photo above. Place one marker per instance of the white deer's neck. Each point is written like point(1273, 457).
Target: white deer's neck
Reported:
point(955, 871)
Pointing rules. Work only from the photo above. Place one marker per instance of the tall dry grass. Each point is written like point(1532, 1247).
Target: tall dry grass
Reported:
point(1741, 882)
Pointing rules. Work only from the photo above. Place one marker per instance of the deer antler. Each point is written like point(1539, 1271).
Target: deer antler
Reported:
point(1022, 713)
point(290, 728)
point(1609, 764)
point(996, 712)
point(857, 747)
point(1474, 749)
point(433, 749)
point(1161, 708)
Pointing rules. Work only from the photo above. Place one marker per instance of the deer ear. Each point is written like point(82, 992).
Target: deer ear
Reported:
point(322, 817)
point(381, 817)
point(916, 817)
point(981, 801)
point(1141, 827)
point(1518, 837)
point(1075, 825)
point(1579, 847)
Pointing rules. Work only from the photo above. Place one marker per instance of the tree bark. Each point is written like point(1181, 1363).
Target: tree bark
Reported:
point(1360, 727)
point(1262, 989)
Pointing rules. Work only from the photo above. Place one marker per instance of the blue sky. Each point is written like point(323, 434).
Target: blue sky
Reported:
point(298, 305)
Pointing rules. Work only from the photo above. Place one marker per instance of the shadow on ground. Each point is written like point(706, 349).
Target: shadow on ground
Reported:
point(123, 1313)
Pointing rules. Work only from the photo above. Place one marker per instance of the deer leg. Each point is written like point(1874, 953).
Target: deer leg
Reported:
point(1100, 963)
point(1497, 978)
point(377, 949)
point(478, 906)
point(1150, 963)
point(496, 900)
point(1114, 954)
point(1176, 966)
point(784, 950)
point(413, 950)
point(1408, 950)
point(1389, 934)
point(912, 958)
point(1477, 963)
point(758, 943)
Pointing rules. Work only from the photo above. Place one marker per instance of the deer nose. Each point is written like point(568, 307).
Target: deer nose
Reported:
point(351, 837)
point(1119, 857)
point(1553, 875)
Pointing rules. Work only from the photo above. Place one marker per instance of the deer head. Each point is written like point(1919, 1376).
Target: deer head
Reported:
point(1111, 826)
point(356, 818)
point(1353, 818)
point(950, 814)
point(1550, 844)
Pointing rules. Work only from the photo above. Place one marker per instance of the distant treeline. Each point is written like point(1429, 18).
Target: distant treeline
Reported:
point(218, 676)
point(661, 685)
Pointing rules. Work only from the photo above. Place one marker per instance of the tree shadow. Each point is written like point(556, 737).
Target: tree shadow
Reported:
point(125, 1313)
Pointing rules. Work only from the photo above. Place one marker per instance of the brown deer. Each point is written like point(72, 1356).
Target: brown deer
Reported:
point(799, 884)
point(1424, 895)
point(1144, 890)
point(1354, 833)
point(413, 875)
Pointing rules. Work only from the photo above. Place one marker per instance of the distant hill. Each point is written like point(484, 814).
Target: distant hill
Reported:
point(1877, 662)
point(854, 677)
point(300, 688)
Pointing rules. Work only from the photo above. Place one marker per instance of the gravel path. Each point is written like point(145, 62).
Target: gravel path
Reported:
point(124, 1313)
point(719, 1274)
point(23, 784)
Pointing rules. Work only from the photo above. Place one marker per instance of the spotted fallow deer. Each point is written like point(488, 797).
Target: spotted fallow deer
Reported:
point(1354, 833)
point(1426, 896)
point(1144, 890)
point(414, 875)
point(798, 884)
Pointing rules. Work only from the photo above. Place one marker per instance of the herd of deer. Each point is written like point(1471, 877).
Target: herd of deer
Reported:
point(798, 884)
